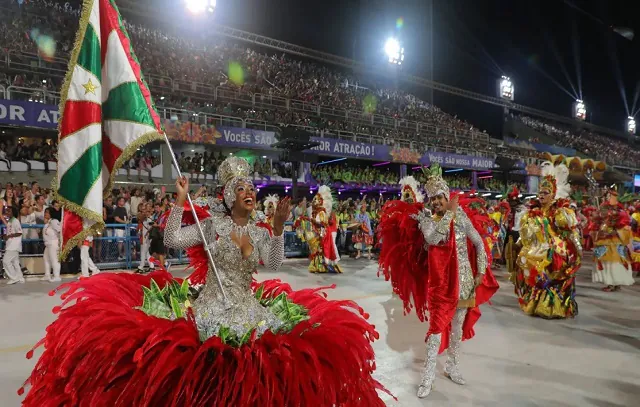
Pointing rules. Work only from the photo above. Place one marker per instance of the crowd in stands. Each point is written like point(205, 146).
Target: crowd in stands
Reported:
point(204, 59)
point(16, 149)
point(601, 147)
point(330, 174)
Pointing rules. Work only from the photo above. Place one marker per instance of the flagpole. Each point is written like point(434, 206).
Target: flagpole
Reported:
point(198, 224)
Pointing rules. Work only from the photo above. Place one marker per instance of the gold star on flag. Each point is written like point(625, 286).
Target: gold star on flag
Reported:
point(89, 87)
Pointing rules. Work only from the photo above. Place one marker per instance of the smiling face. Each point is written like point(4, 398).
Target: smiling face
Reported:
point(438, 203)
point(245, 197)
point(545, 196)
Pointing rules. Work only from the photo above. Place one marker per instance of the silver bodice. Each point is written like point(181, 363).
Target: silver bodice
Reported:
point(437, 232)
point(243, 311)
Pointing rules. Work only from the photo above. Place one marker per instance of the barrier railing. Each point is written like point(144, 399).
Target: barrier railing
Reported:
point(117, 247)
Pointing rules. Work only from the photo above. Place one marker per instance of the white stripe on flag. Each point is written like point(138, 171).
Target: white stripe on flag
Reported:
point(94, 18)
point(72, 147)
point(80, 88)
point(93, 200)
point(116, 69)
point(123, 133)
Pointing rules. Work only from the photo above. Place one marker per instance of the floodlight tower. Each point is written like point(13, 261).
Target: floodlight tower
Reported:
point(505, 88)
point(631, 125)
point(394, 51)
point(580, 110)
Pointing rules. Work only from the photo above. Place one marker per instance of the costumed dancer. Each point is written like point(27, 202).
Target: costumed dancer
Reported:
point(144, 340)
point(265, 219)
point(635, 228)
point(514, 220)
point(144, 228)
point(363, 233)
point(590, 213)
point(323, 252)
point(612, 240)
point(439, 263)
point(551, 251)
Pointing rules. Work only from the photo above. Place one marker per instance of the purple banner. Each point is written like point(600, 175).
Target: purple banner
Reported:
point(345, 148)
point(28, 114)
point(449, 160)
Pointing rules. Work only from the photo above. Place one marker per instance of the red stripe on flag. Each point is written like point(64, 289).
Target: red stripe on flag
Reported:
point(78, 115)
point(71, 226)
point(110, 152)
point(109, 22)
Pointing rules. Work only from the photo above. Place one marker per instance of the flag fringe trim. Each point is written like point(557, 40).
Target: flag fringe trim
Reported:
point(80, 211)
point(127, 153)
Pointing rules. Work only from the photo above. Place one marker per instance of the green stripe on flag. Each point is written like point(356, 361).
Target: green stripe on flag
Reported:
point(76, 183)
point(89, 56)
point(126, 103)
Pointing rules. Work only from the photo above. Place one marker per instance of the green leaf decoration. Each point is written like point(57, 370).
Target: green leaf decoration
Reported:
point(432, 171)
point(176, 308)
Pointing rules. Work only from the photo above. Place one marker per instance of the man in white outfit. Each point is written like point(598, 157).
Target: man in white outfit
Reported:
point(13, 248)
point(145, 241)
point(51, 234)
point(86, 263)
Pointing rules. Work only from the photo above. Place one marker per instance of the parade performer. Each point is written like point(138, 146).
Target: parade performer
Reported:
point(516, 211)
point(363, 232)
point(439, 263)
point(323, 252)
point(612, 240)
point(144, 340)
point(635, 228)
point(551, 251)
point(590, 214)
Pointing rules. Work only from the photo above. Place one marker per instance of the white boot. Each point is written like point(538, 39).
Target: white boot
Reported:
point(429, 369)
point(451, 369)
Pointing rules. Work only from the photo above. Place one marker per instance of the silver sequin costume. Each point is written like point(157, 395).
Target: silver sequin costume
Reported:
point(435, 233)
point(243, 311)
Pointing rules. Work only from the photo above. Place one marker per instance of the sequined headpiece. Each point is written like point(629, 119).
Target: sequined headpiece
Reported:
point(514, 194)
point(409, 189)
point(435, 184)
point(232, 171)
point(555, 179)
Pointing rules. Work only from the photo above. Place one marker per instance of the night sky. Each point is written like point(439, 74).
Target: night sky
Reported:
point(475, 41)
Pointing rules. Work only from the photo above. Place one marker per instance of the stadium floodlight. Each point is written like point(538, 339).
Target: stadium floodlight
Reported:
point(505, 88)
point(199, 6)
point(580, 110)
point(394, 51)
point(631, 125)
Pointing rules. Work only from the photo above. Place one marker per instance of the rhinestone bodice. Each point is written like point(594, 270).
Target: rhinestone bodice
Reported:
point(242, 311)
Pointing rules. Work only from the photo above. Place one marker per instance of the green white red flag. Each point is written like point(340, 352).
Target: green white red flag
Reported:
point(106, 114)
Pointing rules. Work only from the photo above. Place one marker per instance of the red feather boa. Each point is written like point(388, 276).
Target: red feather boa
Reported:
point(102, 351)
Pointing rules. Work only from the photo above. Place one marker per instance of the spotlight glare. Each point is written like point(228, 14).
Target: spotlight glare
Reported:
point(505, 88)
point(200, 6)
point(579, 110)
point(631, 125)
point(394, 51)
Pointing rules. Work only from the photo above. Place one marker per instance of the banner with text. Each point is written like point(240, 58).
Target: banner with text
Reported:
point(28, 114)
point(450, 160)
point(259, 139)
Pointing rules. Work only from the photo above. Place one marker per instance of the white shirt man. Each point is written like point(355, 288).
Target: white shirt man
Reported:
point(51, 236)
point(13, 248)
point(86, 263)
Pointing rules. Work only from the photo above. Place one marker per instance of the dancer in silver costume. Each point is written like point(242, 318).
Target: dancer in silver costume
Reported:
point(237, 245)
point(436, 229)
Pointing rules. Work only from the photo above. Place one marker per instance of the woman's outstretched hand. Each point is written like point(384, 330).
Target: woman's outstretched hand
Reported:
point(281, 216)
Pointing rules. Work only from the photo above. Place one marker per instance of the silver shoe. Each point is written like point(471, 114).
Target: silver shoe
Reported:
point(429, 368)
point(452, 372)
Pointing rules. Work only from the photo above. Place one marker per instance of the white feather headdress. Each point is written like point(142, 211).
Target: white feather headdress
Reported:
point(271, 199)
point(413, 185)
point(560, 174)
point(327, 199)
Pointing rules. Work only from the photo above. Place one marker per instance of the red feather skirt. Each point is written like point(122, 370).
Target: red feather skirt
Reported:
point(102, 351)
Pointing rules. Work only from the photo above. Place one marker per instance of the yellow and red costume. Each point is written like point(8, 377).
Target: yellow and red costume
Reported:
point(611, 245)
point(321, 238)
point(551, 252)
point(635, 229)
